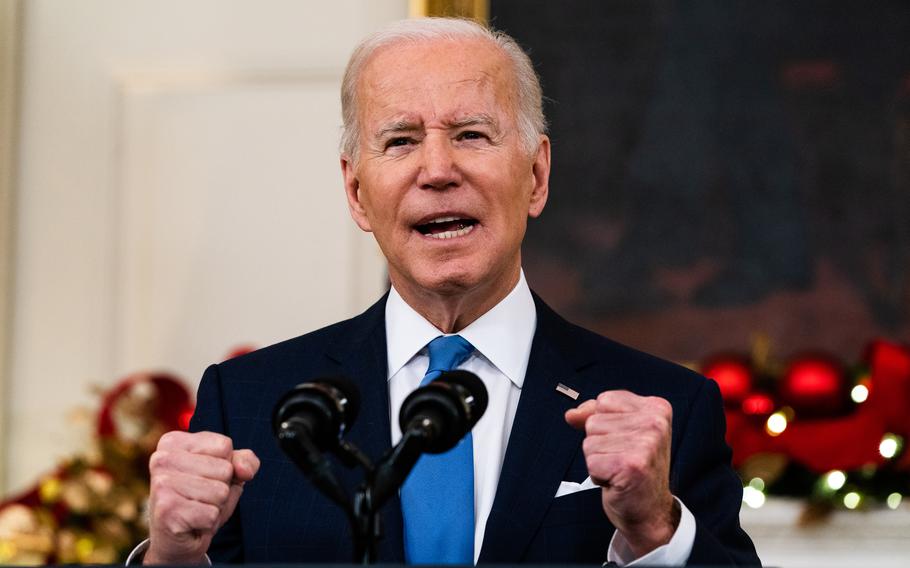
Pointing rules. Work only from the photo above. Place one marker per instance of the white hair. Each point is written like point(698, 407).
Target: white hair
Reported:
point(531, 120)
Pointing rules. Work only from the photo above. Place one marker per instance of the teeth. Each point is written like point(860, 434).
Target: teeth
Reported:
point(443, 220)
point(452, 234)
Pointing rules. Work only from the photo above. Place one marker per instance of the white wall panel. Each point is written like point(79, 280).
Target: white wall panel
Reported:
point(178, 190)
point(233, 227)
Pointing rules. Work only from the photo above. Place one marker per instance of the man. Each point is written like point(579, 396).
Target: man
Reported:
point(444, 159)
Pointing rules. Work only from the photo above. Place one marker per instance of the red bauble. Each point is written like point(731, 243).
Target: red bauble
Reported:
point(758, 404)
point(733, 375)
point(815, 385)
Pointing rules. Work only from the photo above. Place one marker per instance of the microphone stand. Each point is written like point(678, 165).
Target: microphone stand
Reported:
point(380, 483)
point(443, 409)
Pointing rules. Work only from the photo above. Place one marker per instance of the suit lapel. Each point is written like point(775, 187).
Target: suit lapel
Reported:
point(541, 445)
point(362, 353)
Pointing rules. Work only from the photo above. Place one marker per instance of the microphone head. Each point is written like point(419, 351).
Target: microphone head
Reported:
point(349, 396)
point(324, 407)
point(446, 409)
point(474, 392)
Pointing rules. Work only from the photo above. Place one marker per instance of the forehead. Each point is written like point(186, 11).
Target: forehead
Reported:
point(436, 79)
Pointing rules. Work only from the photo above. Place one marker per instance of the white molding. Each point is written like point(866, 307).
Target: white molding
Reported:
point(10, 14)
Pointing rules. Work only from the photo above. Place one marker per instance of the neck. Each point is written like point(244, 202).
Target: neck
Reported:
point(452, 311)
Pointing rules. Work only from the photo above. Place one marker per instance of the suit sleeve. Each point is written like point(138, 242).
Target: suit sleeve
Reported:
point(227, 545)
point(705, 481)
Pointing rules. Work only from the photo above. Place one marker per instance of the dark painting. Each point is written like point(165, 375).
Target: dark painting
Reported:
point(723, 168)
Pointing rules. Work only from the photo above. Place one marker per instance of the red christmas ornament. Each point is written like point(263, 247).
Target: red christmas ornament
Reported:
point(185, 418)
point(814, 384)
point(758, 404)
point(733, 375)
point(172, 401)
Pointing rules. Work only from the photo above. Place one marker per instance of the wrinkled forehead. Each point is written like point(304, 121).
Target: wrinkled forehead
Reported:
point(437, 76)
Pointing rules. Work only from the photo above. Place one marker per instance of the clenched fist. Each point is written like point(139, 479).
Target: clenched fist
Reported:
point(196, 480)
point(627, 451)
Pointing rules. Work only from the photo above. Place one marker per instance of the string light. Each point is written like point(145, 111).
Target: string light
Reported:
point(889, 446)
point(49, 490)
point(757, 483)
point(7, 550)
point(852, 500)
point(894, 500)
point(859, 394)
point(84, 548)
point(835, 479)
point(753, 497)
point(776, 424)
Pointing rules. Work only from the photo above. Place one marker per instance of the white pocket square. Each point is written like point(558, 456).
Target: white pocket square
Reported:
point(570, 487)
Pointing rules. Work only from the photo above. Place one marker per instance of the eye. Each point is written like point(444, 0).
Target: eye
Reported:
point(471, 135)
point(399, 141)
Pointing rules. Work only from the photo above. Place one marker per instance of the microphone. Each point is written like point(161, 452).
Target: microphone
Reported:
point(444, 410)
point(321, 409)
point(310, 419)
point(433, 419)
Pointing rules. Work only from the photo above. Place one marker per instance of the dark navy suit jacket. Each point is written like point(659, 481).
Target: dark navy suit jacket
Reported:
point(281, 518)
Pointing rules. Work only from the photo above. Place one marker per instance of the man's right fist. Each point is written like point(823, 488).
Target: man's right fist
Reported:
point(196, 480)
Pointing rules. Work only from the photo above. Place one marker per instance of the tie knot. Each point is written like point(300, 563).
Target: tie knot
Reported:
point(447, 352)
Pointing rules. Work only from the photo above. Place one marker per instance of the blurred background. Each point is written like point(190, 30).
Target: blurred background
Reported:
point(731, 190)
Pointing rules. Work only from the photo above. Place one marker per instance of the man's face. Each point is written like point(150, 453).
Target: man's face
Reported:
point(442, 178)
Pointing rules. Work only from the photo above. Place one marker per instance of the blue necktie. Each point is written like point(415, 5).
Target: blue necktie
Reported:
point(437, 499)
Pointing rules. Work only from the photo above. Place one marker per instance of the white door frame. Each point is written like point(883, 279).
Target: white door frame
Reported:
point(10, 19)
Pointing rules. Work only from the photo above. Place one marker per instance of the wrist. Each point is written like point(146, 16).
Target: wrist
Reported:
point(657, 531)
point(153, 557)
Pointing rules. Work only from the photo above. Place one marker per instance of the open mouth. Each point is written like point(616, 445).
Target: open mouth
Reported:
point(446, 227)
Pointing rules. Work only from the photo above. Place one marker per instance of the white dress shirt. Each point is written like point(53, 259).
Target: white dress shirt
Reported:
point(502, 341)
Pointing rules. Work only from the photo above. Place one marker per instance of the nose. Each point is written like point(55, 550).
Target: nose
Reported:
point(439, 165)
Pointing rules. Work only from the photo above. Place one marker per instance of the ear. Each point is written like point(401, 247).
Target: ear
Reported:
point(352, 192)
point(540, 171)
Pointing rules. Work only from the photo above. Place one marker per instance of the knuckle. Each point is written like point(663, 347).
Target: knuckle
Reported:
point(604, 399)
point(221, 492)
point(653, 441)
point(163, 503)
point(159, 484)
point(635, 464)
point(223, 445)
point(594, 424)
point(598, 465)
point(657, 422)
point(161, 459)
point(168, 439)
point(661, 405)
point(224, 470)
point(174, 525)
point(210, 514)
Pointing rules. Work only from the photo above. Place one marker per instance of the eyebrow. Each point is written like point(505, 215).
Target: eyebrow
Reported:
point(395, 127)
point(404, 125)
point(482, 119)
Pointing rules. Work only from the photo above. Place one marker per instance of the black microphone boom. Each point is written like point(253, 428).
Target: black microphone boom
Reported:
point(311, 419)
point(445, 409)
point(324, 408)
point(433, 419)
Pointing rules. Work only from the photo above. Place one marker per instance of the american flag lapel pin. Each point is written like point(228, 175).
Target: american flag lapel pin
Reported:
point(567, 390)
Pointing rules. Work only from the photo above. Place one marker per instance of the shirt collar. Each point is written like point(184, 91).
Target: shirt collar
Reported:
point(503, 335)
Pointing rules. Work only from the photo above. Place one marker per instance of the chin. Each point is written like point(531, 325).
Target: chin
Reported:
point(451, 276)
point(449, 283)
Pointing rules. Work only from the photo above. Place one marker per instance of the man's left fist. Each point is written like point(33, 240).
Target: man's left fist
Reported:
point(627, 451)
